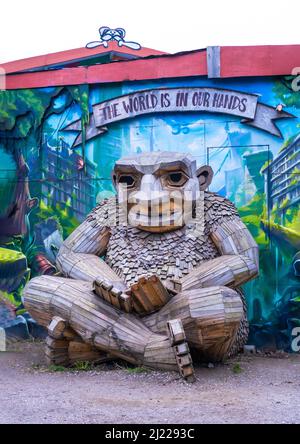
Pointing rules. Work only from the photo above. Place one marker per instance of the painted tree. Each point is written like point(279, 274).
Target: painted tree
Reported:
point(286, 91)
point(22, 116)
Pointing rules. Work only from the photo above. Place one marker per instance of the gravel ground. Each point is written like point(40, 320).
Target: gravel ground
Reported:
point(256, 389)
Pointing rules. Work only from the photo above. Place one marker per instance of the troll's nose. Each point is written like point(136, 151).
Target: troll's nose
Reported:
point(150, 191)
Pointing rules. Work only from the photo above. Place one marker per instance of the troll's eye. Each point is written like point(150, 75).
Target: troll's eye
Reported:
point(127, 180)
point(176, 179)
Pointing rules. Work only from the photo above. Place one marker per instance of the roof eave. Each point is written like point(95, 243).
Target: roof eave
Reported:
point(47, 61)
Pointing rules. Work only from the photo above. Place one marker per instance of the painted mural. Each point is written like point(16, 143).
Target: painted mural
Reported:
point(56, 155)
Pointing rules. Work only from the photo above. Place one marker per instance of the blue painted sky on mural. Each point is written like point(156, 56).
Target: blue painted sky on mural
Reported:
point(190, 132)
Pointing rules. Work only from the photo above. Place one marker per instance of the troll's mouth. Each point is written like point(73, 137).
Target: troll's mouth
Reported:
point(155, 218)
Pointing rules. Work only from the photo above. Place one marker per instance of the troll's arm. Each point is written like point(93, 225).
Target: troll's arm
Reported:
point(79, 256)
point(238, 261)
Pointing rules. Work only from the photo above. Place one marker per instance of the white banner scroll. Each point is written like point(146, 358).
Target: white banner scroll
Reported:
point(172, 100)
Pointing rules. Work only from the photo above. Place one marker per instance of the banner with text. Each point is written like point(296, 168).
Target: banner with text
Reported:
point(172, 100)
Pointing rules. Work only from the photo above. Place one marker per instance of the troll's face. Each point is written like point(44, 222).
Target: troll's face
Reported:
point(159, 190)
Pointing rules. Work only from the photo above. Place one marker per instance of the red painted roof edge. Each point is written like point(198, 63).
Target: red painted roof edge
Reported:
point(71, 55)
point(235, 61)
point(181, 65)
point(252, 61)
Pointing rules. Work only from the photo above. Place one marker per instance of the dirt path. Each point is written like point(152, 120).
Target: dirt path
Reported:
point(266, 390)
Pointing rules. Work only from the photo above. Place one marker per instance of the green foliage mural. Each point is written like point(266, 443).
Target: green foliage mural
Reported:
point(23, 115)
point(285, 92)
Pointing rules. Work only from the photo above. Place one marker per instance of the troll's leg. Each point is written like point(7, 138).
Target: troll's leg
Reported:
point(210, 316)
point(96, 322)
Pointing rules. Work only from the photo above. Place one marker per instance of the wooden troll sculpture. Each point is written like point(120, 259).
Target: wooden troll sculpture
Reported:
point(153, 285)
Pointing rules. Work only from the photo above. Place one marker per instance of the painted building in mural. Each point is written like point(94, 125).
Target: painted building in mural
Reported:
point(61, 130)
point(282, 188)
point(67, 178)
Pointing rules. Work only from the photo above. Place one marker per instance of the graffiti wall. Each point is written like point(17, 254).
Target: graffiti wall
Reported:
point(58, 147)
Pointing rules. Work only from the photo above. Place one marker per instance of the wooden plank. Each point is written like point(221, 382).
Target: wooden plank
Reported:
point(177, 334)
point(149, 294)
point(57, 327)
point(57, 344)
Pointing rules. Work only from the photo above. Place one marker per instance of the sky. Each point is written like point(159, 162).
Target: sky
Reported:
point(30, 27)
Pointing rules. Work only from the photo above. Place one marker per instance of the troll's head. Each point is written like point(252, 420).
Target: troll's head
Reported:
point(159, 189)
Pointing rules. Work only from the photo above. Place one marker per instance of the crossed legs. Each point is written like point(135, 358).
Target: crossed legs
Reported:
point(210, 316)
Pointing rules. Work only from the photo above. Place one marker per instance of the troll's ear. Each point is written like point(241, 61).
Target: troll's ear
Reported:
point(205, 175)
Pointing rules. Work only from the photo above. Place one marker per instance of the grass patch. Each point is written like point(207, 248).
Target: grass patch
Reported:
point(136, 370)
point(57, 368)
point(80, 366)
point(83, 366)
point(237, 369)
